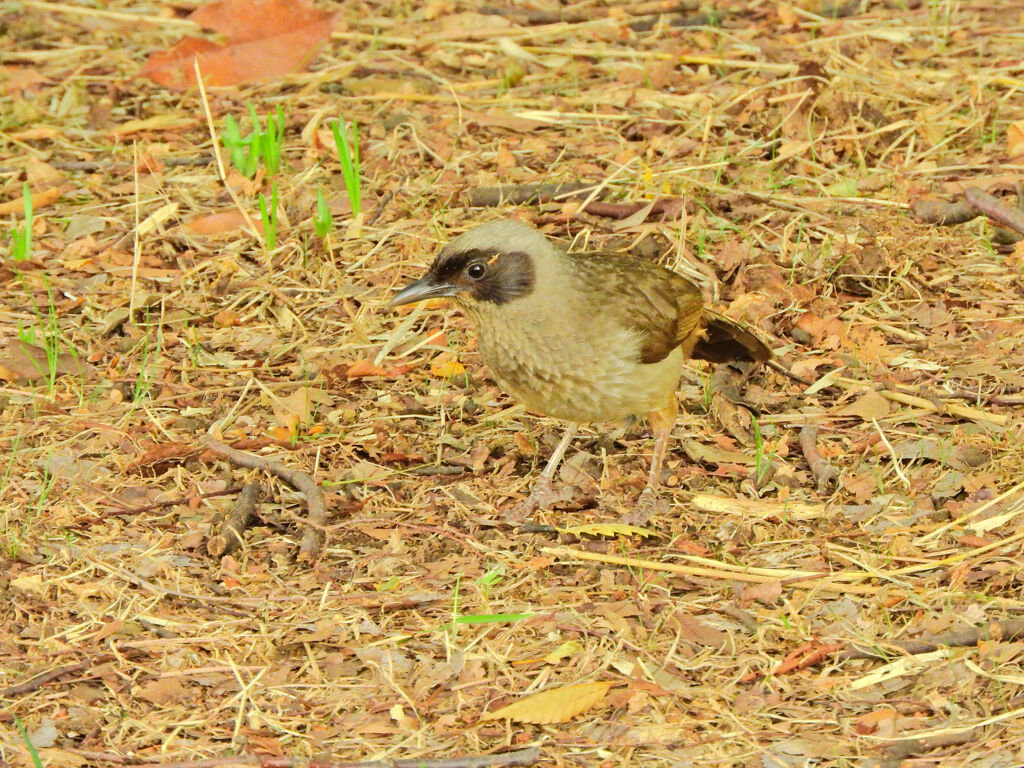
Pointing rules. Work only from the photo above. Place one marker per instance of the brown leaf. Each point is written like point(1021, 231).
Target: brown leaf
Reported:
point(692, 628)
point(227, 318)
point(39, 200)
point(868, 723)
point(363, 368)
point(265, 40)
point(555, 706)
point(23, 361)
point(1015, 139)
point(868, 406)
point(216, 223)
point(164, 691)
point(768, 592)
point(158, 457)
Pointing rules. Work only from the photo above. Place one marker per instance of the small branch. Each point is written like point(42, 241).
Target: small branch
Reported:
point(942, 213)
point(521, 757)
point(669, 207)
point(894, 754)
point(995, 209)
point(228, 535)
point(1007, 630)
point(517, 194)
point(975, 203)
point(126, 511)
point(806, 655)
point(825, 475)
point(42, 679)
point(309, 549)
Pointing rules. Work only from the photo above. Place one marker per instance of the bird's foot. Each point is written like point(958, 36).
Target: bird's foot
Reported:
point(544, 494)
point(649, 503)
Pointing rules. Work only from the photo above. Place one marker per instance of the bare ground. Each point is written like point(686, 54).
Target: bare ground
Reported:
point(795, 143)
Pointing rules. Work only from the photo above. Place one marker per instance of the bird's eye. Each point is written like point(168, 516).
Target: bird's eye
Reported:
point(476, 271)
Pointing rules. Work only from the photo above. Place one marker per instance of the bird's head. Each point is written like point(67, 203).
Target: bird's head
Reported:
point(494, 263)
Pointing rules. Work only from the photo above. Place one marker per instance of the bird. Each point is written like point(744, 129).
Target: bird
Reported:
point(581, 337)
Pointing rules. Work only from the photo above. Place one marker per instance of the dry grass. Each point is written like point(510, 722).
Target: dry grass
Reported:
point(797, 142)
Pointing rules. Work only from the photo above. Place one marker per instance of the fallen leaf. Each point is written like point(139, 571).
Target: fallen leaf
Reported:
point(22, 361)
point(868, 724)
point(165, 121)
point(39, 200)
point(216, 223)
point(768, 592)
point(565, 651)
point(870, 405)
point(693, 629)
point(363, 368)
point(163, 691)
point(227, 318)
point(447, 370)
point(1015, 139)
point(265, 39)
point(555, 706)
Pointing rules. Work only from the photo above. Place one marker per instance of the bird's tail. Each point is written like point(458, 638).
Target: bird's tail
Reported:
point(725, 340)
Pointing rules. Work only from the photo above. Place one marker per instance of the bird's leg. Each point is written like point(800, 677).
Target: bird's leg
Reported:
point(543, 492)
point(661, 422)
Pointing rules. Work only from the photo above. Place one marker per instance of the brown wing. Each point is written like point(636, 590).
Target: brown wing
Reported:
point(724, 340)
point(665, 307)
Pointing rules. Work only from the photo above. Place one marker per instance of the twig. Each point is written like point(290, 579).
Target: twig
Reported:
point(669, 207)
point(42, 679)
point(975, 203)
point(517, 194)
point(825, 475)
point(942, 213)
point(938, 405)
point(228, 537)
point(775, 365)
point(806, 655)
point(309, 549)
point(1007, 630)
point(995, 209)
point(800, 579)
point(894, 754)
point(126, 511)
point(521, 757)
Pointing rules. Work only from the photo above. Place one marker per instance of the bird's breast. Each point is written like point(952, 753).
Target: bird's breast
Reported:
point(577, 371)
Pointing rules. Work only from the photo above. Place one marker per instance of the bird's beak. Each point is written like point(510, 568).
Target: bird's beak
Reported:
point(424, 288)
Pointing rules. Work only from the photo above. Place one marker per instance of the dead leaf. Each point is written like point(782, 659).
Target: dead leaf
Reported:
point(868, 723)
point(768, 592)
point(265, 39)
point(363, 368)
point(165, 121)
point(164, 691)
point(566, 650)
point(23, 361)
point(216, 223)
point(693, 629)
point(556, 706)
point(447, 370)
point(1015, 139)
point(870, 405)
point(227, 318)
point(159, 457)
point(39, 200)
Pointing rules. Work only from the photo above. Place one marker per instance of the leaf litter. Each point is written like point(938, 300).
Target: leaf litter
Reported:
point(771, 152)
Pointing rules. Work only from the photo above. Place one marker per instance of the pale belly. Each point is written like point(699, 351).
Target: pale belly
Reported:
point(557, 378)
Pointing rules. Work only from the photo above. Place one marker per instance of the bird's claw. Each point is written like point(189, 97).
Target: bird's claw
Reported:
point(649, 503)
point(543, 495)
